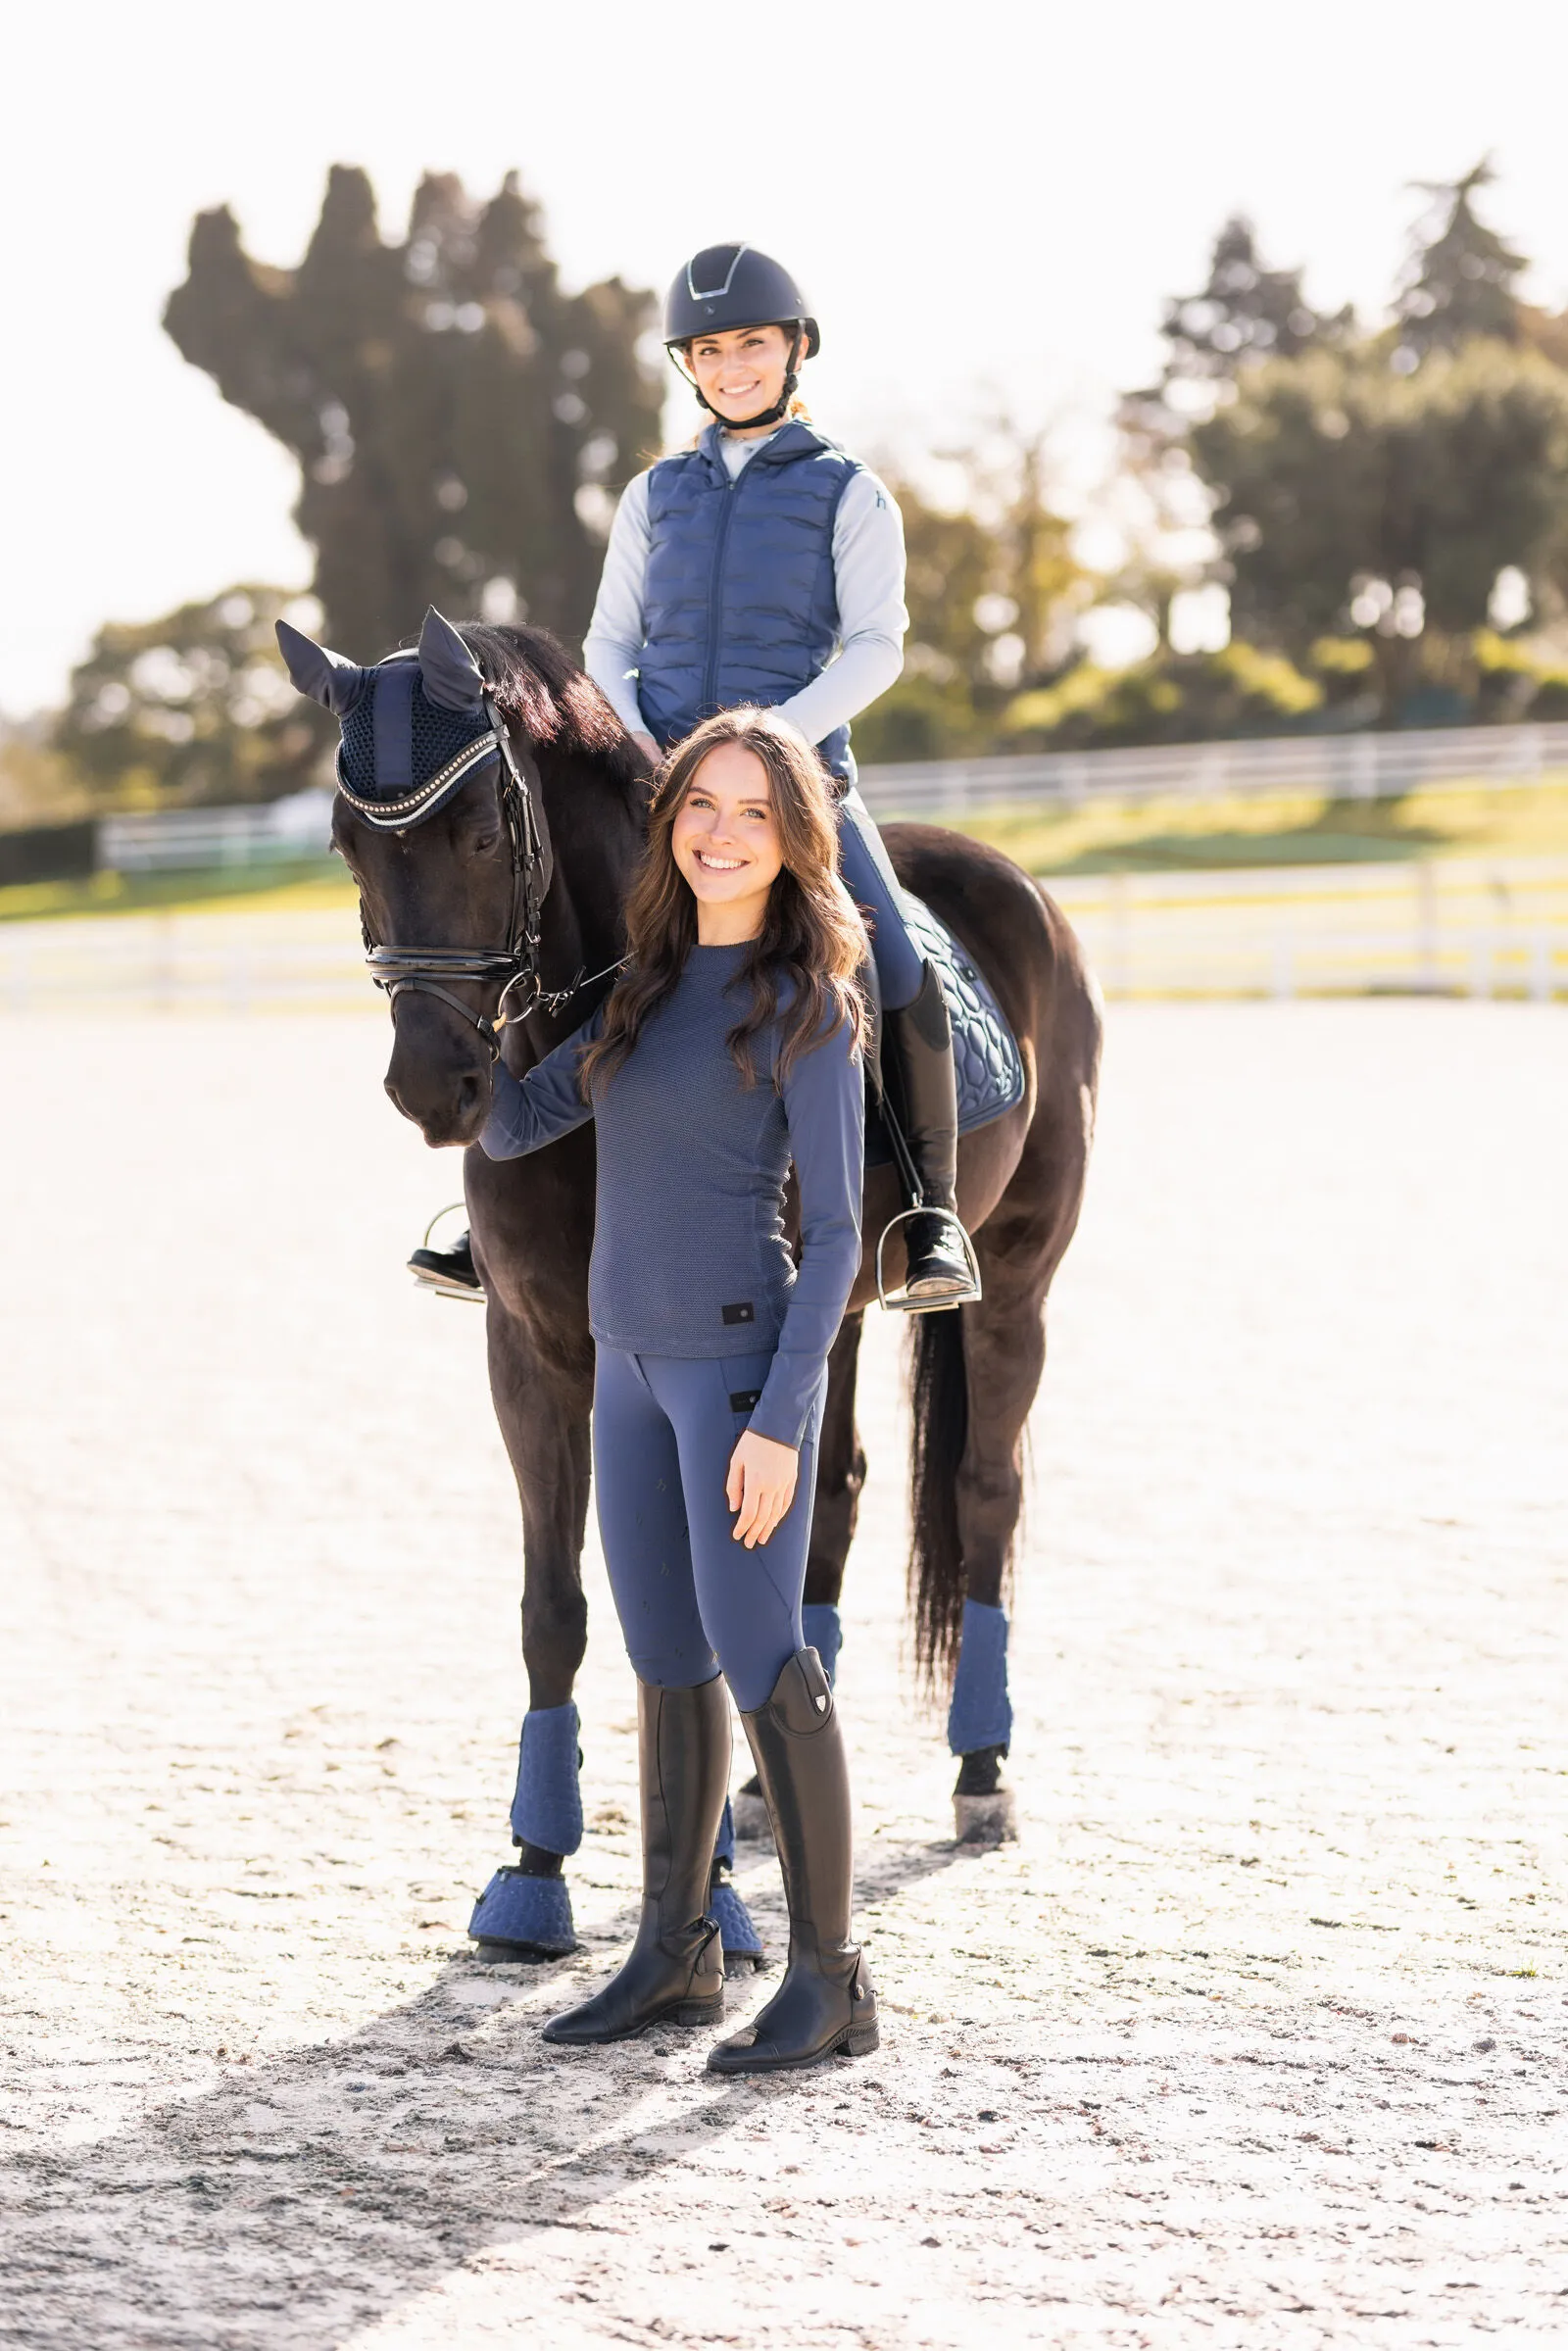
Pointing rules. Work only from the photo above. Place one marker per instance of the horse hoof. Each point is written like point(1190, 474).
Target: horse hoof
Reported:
point(523, 1918)
point(986, 1820)
point(737, 1930)
point(750, 1815)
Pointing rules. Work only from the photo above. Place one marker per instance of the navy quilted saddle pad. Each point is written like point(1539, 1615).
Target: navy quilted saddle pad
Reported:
point(985, 1055)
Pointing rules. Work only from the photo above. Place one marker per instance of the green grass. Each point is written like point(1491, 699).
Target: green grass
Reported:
point(1162, 836)
point(313, 882)
point(1285, 829)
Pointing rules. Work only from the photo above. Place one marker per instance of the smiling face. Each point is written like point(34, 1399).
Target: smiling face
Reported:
point(741, 372)
point(725, 842)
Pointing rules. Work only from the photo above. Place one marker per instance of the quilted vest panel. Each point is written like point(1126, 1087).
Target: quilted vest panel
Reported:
point(739, 600)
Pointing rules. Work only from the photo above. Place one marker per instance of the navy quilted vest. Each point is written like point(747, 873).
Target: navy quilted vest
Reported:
point(739, 599)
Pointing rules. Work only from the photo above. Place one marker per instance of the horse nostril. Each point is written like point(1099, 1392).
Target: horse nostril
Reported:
point(393, 1096)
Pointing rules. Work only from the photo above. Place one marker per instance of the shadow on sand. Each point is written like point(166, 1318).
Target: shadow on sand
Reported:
point(310, 2193)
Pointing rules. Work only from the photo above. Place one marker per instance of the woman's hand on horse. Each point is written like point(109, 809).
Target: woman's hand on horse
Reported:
point(761, 1485)
point(647, 743)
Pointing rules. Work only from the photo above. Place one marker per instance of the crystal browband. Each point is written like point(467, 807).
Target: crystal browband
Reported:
point(396, 814)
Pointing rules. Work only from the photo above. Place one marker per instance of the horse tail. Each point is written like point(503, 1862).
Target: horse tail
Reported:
point(941, 1407)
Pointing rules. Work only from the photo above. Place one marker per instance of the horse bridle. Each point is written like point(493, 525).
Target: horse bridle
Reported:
point(420, 970)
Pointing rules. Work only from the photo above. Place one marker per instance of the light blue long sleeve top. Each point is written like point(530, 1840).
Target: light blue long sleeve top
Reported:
point(689, 1254)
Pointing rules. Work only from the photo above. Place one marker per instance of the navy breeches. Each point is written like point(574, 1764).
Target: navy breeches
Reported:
point(871, 882)
point(691, 1599)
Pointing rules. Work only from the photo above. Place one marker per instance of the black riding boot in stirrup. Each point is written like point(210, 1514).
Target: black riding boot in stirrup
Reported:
point(925, 1094)
point(451, 1271)
point(825, 2002)
point(674, 1972)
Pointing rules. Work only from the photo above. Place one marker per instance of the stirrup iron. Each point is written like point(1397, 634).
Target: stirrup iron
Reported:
point(898, 1302)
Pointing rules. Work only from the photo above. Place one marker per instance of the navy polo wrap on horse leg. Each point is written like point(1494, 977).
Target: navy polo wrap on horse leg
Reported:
point(547, 1808)
point(738, 1929)
point(517, 1907)
point(981, 1712)
point(824, 1633)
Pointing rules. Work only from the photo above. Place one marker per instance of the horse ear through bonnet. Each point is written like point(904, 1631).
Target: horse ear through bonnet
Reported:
point(326, 677)
point(452, 676)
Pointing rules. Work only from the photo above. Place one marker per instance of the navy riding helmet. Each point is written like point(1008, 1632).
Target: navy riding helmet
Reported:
point(415, 726)
point(729, 286)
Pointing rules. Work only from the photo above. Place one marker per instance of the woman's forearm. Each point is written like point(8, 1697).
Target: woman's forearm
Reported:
point(867, 666)
point(824, 1099)
point(527, 1112)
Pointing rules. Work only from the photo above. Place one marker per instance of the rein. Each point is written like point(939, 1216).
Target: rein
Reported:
point(421, 970)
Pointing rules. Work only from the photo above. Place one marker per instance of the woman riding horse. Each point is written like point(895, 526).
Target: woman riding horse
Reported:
point(764, 566)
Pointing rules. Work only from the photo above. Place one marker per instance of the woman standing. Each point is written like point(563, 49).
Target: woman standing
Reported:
point(764, 566)
point(730, 1047)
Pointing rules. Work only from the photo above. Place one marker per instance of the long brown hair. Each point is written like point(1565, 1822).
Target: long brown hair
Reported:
point(810, 946)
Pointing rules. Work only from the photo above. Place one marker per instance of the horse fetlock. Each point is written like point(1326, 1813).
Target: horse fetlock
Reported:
point(980, 1773)
point(991, 1819)
point(535, 1862)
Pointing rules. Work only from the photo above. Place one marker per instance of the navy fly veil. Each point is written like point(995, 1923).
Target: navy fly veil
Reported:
point(412, 729)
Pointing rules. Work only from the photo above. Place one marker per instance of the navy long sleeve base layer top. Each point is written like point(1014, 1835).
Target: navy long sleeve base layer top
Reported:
point(689, 1253)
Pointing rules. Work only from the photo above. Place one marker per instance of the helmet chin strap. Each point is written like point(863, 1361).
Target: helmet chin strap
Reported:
point(769, 415)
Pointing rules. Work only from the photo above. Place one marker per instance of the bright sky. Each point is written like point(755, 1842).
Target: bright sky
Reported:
point(975, 197)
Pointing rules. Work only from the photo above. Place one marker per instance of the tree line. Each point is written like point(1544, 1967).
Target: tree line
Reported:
point(1384, 505)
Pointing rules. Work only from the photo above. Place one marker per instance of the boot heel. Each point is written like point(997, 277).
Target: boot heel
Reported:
point(858, 2041)
point(700, 2012)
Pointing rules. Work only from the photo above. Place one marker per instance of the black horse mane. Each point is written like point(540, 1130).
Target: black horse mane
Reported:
point(537, 682)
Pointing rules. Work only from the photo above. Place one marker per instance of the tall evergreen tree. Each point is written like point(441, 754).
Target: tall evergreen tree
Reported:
point(1459, 280)
point(1245, 312)
point(456, 417)
point(1246, 315)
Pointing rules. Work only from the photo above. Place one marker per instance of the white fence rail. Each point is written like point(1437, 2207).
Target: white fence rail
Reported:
point(1452, 927)
point(1360, 767)
point(1339, 767)
point(188, 840)
point(1457, 927)
point(311, 961)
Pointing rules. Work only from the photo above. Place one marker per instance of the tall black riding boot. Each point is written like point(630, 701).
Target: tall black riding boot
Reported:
point(926, 1097)
point(675, 1971)
point(825, 2002)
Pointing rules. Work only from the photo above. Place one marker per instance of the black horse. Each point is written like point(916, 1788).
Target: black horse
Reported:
point(536, 851)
